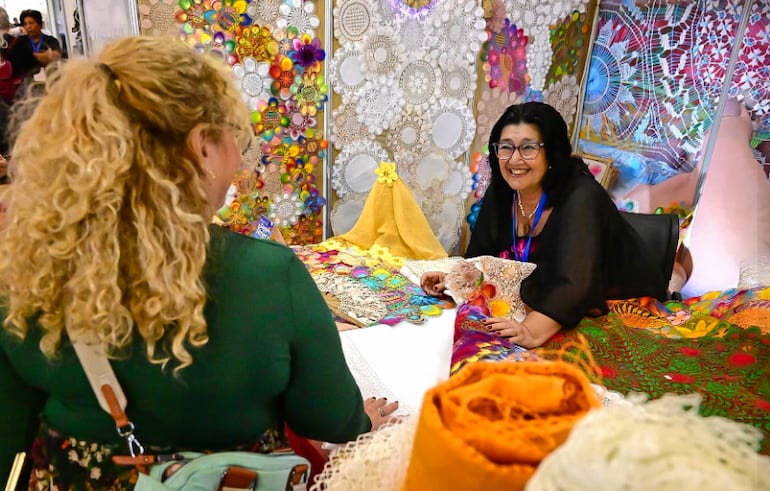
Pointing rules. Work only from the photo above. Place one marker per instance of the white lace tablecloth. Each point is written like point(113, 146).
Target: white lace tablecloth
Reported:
point(400, 362)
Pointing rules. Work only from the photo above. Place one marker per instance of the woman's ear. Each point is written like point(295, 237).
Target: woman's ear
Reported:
point(199, 142)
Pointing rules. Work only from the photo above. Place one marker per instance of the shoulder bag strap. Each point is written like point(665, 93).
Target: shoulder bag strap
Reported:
point(107, 390)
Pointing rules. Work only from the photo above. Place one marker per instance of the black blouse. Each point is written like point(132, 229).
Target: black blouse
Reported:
point(586, 254)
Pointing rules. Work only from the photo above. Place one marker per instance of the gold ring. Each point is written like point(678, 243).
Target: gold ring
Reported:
point(381, 412)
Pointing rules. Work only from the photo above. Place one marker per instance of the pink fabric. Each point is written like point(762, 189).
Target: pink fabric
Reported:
point(732, 223)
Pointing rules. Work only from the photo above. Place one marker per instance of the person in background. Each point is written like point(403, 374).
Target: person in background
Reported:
point(544, 206)
point(218, 339)
point(34, 50)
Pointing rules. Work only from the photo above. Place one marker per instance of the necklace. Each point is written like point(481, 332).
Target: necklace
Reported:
point(521, 208)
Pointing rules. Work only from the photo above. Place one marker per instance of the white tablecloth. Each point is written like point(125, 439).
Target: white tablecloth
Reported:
point(400, 362)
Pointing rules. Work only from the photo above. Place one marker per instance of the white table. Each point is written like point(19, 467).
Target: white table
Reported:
point(401, 362)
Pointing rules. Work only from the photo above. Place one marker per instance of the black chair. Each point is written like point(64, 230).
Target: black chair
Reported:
point(660, 233)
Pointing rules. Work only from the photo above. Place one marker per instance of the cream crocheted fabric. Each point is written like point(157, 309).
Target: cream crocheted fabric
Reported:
point(661, 445)
point(413, 269)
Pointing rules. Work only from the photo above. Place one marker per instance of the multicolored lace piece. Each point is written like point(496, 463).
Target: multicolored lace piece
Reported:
point(368, 285)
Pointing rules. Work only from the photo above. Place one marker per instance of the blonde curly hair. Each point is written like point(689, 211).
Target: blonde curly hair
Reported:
point(108, 212)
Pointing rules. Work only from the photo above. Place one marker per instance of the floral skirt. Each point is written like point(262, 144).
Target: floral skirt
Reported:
point(65, 463)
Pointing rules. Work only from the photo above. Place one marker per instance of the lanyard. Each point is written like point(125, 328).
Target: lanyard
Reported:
point(525, 255)
point(36, 47)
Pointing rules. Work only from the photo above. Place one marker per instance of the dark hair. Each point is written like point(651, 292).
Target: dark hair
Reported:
point(492, 230)
point(35, 14)
point(562, 165)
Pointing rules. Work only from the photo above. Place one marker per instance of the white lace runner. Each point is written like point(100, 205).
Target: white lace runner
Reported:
point(367, 379)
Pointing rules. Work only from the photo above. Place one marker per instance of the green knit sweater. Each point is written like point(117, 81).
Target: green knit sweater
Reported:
point(273, 356)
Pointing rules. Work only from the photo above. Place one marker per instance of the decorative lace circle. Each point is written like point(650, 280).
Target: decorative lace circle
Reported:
point(353, 170)
point(286, 209)
point(346, 128)
point(406, 163)
point(445, 218)
point(346, 72)
point(412, 33)
point(253, 80)
point(156, 17)
point(452, 126)
point(418, 80)
point(458, 79)
point(299, 123)
point(265, 12)
point(352, 20)
point(491, 105)
point(409, 132)
point(381, 53)
point(563, 96)
point(299, 14)
point(345, 213)
point(459, 28)
point(379, 102)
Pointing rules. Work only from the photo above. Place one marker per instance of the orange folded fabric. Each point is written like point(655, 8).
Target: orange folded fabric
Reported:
point(490, 425)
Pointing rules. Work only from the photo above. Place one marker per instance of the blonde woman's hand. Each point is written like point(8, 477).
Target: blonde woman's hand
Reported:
point(379, 411)
point(433, 282)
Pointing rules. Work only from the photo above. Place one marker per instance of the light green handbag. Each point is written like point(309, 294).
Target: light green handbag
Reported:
point(209, 472)
point(188, 471)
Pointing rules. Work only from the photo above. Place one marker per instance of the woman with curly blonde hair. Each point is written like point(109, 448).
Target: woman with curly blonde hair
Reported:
point(218, 339)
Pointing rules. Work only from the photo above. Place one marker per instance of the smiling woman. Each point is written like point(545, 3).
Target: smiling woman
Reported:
point(544, 206)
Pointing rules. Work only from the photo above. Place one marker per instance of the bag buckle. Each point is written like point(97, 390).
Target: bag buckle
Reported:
point(134, 447)
point(238, 479)
point(297, 478)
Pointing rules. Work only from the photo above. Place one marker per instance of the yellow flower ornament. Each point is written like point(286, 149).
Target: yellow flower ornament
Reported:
point(386, 173)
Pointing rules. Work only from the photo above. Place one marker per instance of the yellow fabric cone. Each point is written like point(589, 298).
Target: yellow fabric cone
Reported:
point(489, 426)
point(391, 218)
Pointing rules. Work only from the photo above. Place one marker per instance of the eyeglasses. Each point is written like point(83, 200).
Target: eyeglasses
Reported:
point(528, 151)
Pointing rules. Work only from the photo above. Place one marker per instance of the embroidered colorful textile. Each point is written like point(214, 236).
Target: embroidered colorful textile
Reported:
point(367, 285)
point(717, 345)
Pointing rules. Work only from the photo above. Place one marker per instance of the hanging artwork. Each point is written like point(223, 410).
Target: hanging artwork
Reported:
point(407, 70)
point(277, 64)
point(657, 71)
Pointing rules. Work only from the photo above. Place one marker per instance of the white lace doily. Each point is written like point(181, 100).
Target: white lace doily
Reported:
point(412, 32)
point(253, 79)
point(452, 126)
point(458, 79)
point(353, 170)
point(491, 105)
point(352, 20)
point(376, 461)
point(419, 79)
point(345, 213)
point(265, 12)
point(299, 14)
point(459, 182)
point(459, 28)
point(563, 96)
point(445, 218)
point(379, 102)
point(156, 17)
point(408, 133)
point(381, 52)
point(346, 127)
point(406, 162)
point(346, 73)
point(286, 209)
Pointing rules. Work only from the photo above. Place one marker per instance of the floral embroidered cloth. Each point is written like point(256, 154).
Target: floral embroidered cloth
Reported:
point(717, 345)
